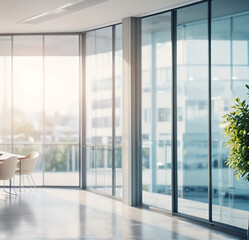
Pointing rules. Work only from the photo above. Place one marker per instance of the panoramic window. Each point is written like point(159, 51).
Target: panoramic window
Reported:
point(44, 113)
point(228, 64)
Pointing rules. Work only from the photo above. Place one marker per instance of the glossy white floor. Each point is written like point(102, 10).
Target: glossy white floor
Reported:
point(75, 214)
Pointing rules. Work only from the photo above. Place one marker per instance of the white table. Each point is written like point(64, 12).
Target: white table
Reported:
point(5, 155)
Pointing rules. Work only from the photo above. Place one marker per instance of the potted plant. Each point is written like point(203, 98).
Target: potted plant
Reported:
point(237, 131)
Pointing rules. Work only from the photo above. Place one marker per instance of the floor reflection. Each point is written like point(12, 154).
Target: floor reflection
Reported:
point(14, 213)
point(73, 214)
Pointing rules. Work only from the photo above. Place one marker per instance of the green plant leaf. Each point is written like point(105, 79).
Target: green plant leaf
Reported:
point(236, 130)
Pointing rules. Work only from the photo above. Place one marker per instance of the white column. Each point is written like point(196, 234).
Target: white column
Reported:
point(131, 152)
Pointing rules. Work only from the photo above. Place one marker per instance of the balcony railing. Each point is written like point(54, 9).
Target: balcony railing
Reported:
point(58, 164)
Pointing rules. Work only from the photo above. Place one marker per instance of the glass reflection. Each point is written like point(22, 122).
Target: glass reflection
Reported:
point(5, 92)
point(192, 105)
point(156, 110)
point(99, 110)
point(230, 73)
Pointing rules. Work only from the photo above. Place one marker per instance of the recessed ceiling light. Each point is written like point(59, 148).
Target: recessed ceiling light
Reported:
point(61, 11)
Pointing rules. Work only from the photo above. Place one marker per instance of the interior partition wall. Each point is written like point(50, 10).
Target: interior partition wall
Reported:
point(103, 108)
point(40, 103)
point(195, 61)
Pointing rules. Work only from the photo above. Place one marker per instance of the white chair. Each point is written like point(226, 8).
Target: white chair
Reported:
point(7, 170)
point(27, 166)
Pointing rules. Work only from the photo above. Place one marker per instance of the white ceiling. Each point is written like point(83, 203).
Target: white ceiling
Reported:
point(109, 12)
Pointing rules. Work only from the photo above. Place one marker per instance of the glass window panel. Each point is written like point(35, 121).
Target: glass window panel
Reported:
point(218, 44)
point(28, 89)
point(118, 109)
point(62, 104)
point(61, 164)
point(99, 120)
point(28, 98)
point(62, 120)
point(240, 72)
point(90, 89)
point(230, 39)
point(192, 99)
point(156, 106)
point(221, 72)
point(5, 147)
point(5, 92)
point(61, 74)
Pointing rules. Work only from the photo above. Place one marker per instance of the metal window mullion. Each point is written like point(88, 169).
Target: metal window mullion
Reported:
point(154, 113)
point(43, 106)
point(83, 146)
point(209, 117)
point(113, 112)
point(12, 97)
point(139, 166)
point(174, 112)
point(231, 54)
point(80, 107)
